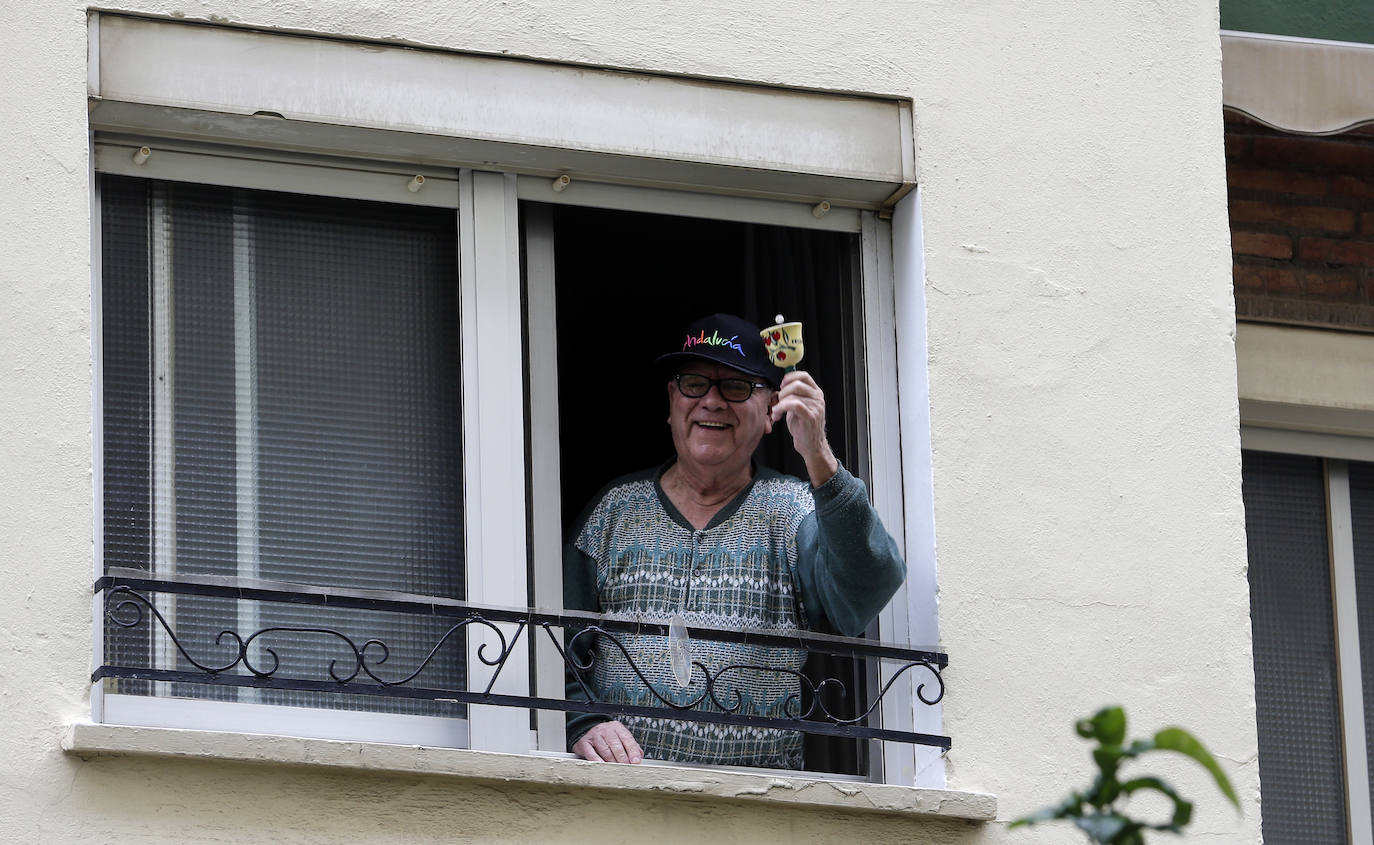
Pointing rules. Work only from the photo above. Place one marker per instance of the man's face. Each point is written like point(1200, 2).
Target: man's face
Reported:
point(710, 433)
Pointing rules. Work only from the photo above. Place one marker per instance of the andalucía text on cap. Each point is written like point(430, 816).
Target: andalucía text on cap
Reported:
point(724, 339)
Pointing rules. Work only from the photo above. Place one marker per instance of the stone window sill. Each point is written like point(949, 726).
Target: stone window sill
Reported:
point(87, 740)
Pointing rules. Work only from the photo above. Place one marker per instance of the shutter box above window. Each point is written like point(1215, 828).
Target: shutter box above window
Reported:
point(241, 86)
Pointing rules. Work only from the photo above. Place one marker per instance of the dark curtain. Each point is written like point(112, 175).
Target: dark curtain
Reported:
point(811, 277)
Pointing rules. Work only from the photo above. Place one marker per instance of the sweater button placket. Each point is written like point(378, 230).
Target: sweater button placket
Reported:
point(698, 562)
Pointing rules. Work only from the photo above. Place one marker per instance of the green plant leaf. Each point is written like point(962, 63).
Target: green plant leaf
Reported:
point(1093, 811)
point(1071, 806)
point(1177, 739)
point(1106, 789)
point(1107, 725)
point(1045, 815)
point(1183, 810)
point(1108, 759)
point(1102, 827)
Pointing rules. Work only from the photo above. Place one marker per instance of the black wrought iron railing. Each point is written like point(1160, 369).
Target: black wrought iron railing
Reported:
point(826, 706)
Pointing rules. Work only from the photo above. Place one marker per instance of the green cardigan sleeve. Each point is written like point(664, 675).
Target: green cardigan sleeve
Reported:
point(849, 565)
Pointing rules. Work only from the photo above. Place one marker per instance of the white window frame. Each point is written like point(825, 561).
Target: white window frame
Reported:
point(1337, 451)
point(769, 177)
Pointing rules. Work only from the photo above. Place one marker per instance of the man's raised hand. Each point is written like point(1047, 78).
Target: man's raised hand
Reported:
point(802, 403)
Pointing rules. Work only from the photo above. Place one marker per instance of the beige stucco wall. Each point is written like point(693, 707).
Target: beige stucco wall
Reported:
point(1086, 459)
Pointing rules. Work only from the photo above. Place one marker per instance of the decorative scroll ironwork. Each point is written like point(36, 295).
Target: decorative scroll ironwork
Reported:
point(122, 600)
point(712, 681)
point(361, 672)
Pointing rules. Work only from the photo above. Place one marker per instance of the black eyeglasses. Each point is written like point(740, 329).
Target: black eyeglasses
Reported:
point(694, 386)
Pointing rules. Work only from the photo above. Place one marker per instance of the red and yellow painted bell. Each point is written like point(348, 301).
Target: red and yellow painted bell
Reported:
point(783, 342)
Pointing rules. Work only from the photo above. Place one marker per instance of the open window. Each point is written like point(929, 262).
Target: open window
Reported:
point(623, 282)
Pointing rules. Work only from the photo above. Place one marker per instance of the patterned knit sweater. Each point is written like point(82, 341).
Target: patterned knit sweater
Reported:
point(780, 556)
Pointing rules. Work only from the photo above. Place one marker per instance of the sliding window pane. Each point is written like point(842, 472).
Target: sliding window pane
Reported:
point(290, 412)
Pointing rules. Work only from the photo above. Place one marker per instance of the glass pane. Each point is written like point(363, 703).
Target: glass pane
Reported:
point(127, 400)
point(313, 420)
point(1301, 768)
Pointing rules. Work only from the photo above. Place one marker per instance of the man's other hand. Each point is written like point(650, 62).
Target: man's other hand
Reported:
point(609, 742)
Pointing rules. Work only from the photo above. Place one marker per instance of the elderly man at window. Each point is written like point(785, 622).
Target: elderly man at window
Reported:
point(717, 541)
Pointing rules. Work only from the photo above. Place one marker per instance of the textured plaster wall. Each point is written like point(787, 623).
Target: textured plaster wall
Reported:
point(1087, 486)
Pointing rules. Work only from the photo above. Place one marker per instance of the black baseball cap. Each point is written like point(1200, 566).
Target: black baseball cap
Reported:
point(723, 339)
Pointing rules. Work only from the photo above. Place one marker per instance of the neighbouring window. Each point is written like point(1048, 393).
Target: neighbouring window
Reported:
point(1310, 529)
point(281, 401)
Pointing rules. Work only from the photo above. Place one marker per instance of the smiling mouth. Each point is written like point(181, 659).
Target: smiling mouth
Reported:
point(712, 426)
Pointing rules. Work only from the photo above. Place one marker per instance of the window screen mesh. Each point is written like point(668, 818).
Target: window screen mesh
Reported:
point(282, 402)
point(1301, 769)
point(1362, 524)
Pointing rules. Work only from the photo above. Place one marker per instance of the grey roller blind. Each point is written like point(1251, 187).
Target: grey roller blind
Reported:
point(282, 402)
point(1301, 758)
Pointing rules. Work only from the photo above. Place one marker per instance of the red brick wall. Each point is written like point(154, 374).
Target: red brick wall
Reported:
point(1302, 225)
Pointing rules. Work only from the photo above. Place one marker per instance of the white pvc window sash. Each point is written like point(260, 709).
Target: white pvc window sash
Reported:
point(184, 491)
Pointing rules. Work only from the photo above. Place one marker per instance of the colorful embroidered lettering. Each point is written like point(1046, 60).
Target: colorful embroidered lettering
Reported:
point(714, 340)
